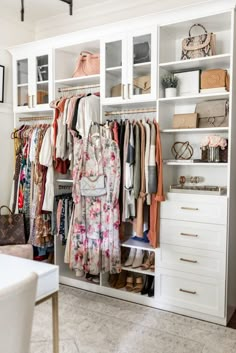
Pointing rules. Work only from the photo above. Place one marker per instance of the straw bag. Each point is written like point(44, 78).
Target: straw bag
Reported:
point(87, 64)
point(12, 229)
point(198, 46)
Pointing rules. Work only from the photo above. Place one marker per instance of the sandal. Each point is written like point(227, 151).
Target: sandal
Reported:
point(138, 285)
point(129, 284)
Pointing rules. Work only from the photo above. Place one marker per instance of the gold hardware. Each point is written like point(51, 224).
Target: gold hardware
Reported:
point(189, 208)
point(123, 91)
point(129, 85)
point(189, 235)
point(187, 260)
point(187, 291)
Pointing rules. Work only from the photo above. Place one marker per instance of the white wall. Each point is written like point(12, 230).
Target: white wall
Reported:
point(12, 33)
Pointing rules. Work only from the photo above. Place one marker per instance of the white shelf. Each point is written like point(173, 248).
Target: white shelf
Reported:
point(209, 62)
point(115, 68)
point(196, 130)
point(194, 98)
point(138, 270)
point(22, 85)
point(74, 81)
point(196, 164)
point(131, 243)
point(42, 82)
point(148, 63)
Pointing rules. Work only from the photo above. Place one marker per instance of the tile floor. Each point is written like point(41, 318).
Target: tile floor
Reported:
point(91, 323)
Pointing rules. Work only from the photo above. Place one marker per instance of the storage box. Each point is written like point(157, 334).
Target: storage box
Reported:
point(188, 83)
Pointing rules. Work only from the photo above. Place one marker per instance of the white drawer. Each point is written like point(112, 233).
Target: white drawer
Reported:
point(192, 292)
point(196, 208)
point(202, 262)
point(192, 234)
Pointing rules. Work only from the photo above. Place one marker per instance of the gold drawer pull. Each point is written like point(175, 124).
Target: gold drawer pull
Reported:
point(187, 291)
point(189, 208)
point(189, 235)
point(187, 260)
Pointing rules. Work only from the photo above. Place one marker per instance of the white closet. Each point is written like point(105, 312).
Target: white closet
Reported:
point(196, 262)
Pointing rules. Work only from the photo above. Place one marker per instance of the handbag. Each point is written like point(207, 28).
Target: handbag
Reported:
point(215, 78)
point(185, 121)
point(12, 229)
point(141, 53)
point(213, 113)
point(87, 64)
point(198, 46)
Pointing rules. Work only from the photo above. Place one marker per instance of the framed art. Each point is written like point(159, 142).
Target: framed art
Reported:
point(2, 73)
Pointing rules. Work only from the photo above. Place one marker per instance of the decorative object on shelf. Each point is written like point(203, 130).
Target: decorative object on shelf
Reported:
point(87, 64)
point(116, 90)
point(194, 179)
point(170, 83)
point(143, 84)
point(42, 73)
point(69, 2)
point(2, 76)
point(198, 46)
point(198, 189)
point(213, 113)
point(215, 80)
point(213, 144)
point(182, 150)
point(182, 180)
point(42, 97)
point(185, 121)
point(141, 53)
point(188, 82)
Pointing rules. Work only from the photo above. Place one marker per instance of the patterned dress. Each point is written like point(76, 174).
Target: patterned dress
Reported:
point(95, 244)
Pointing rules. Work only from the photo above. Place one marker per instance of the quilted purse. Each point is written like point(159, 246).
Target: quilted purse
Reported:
point(213, 113)
point(198, 46)
point(12, 229)
point(93, 186)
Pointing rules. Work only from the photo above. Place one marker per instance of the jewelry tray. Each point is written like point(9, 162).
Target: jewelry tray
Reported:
point(203, 189)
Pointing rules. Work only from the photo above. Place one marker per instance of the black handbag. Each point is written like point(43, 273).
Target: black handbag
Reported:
point(141, 53)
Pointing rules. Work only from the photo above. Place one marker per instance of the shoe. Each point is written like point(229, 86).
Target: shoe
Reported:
point(121, 282)
point(151, 290)
point(147, 284)
point(138, 284)
point(138, 259)
point(150, 262)
point(131, 257)
point(113, 278)
point(129, 283)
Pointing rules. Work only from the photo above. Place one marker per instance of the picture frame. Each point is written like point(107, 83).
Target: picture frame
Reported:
point(2, 77)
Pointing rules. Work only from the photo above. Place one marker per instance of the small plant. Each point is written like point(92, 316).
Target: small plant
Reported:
point(169, 81)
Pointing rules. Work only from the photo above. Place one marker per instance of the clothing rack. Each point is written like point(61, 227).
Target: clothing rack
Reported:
point(68, 89)
point(36, 118)
point(131, 111)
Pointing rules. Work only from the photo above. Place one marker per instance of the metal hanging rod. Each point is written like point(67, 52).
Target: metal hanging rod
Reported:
point(68, 89)
point(36, 118)
point(131, 111)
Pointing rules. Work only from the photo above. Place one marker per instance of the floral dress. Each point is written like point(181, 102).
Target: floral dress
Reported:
point(94, 245)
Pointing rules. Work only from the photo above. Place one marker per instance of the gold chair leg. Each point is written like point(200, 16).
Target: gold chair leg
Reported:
point(55, 323)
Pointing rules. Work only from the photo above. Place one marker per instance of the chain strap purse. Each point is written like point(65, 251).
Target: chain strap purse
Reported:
point(92, 185)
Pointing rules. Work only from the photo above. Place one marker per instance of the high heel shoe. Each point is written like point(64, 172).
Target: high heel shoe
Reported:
point(131, 258)
point(150, 262)
point(147, 284)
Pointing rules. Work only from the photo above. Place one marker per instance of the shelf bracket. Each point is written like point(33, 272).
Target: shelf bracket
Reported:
point(22, 11)
point(70, 3)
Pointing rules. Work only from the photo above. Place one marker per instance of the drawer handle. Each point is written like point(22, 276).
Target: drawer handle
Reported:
point(189, 235)
point(187, 260)
point(187, 291)
point(189, 208)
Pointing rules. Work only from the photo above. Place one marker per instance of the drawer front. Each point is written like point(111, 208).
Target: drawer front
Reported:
point(196, 209)
point(192, 292)
point(192, 234)
point(202, 262)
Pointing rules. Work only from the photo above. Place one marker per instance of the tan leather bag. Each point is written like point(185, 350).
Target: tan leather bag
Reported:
point(12, 230)
point(143, 83)
point(87, 64)
point(185, 121)
point(215, 78)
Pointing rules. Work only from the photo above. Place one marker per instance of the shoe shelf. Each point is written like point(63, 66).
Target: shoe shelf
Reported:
point(138, 270)
point(131, 243)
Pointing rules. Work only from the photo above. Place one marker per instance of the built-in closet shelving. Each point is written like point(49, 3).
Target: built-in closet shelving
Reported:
point(195, 264)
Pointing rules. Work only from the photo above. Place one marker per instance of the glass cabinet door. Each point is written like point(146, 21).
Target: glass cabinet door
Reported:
point(42, 80)
point(142, 57)
point(114, 69)
point(22, 82)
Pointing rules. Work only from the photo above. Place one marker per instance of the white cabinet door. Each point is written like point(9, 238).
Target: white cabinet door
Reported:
point(142, 65)
point(114, 70)
point(21, 84)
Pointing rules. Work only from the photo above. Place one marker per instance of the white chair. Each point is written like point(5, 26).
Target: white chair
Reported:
point(16, 315)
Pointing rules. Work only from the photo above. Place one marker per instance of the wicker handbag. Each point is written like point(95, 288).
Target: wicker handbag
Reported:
point(198, 46)
point(12, 229)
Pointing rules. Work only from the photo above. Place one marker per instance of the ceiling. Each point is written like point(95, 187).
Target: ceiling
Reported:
point(36, 10)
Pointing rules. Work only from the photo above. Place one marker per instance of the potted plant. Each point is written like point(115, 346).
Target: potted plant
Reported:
point(169, 83)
